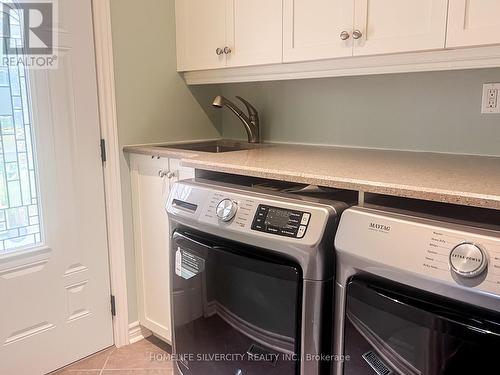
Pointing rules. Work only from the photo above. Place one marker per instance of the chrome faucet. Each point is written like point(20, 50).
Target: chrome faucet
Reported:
point(250, 122)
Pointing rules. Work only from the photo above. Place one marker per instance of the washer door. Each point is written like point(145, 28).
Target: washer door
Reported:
point(236, 310)
point(394, 329)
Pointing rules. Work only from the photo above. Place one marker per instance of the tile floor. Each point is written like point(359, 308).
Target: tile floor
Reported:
point(145, 357)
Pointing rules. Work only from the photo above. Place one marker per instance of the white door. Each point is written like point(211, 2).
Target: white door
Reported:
point(390, 26)
point(201, 30)
point(54, 276)
point(254, 32)
point(473, 23)
point(312, 28)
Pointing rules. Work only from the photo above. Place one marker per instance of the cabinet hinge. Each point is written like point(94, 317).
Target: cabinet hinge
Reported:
point(103, 150)
point(113, 306)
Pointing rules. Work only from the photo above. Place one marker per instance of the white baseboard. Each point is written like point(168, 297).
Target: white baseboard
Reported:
point(136, 332)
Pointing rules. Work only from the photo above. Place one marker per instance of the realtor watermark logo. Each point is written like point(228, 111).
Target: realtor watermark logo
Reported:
point(28, 33)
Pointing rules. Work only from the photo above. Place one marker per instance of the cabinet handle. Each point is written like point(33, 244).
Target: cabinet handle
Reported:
point(356, 34)
point(219, 51)
point(164, 173)
point(344, 35)
point(227, 50)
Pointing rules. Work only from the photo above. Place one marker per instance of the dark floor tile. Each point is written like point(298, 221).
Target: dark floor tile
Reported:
point(159, 343)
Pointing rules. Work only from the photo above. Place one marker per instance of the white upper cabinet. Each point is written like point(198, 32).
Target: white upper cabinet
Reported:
point(289, 39)
point(312, 29)
point(473, 23)
point(322, 29)
point(254, 32)
point(390, 26)
point(227, 33)
point(201, 30)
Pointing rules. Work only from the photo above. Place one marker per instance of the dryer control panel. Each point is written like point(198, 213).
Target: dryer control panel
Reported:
point(248, 215)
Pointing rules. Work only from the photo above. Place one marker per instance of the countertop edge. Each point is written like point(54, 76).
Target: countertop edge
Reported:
point(160, 151)
point(444, 196)
point(194, 159)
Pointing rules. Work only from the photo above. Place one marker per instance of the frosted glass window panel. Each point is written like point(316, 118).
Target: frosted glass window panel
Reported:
point(5, 101)
point(20, 223)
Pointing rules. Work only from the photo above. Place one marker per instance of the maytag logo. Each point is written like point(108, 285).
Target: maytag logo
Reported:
point(380, 227)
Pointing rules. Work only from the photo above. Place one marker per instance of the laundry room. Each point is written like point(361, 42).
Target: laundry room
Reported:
point(248, 187)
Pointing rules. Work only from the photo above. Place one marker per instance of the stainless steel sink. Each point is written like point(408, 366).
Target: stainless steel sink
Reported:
point(220, 145)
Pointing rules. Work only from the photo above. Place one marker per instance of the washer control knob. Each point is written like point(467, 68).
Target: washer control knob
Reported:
point(226, 209)
point(468, 260)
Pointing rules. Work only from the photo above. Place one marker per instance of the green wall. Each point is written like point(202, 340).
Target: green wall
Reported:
point(153, 102)
point(433, 111)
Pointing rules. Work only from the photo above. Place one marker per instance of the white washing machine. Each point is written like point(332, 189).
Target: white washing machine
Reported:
point(415, 295)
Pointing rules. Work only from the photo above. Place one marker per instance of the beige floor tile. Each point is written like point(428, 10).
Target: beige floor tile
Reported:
point(146, 357)
point(93, 362)
point(77, 372)
point(138, 372)
point(150, 353)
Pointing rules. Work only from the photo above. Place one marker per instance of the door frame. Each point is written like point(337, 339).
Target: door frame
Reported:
point(103, 42)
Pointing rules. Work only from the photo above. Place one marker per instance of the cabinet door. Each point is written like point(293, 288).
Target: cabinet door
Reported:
point(180, 172)
point(312, 28)
point(201, 29)
point(389, 26)
point(254, 32)
point(151, 240)
point(473, 23)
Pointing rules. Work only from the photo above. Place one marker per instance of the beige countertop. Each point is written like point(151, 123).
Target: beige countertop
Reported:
point(162, 150)
point(460, 179)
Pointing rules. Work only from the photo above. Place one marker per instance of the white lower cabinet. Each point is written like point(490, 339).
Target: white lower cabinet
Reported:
point(151, 180)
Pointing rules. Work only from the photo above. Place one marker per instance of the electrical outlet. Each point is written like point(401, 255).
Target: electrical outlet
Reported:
point(491, 98)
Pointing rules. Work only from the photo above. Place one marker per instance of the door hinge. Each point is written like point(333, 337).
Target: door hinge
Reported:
point(103, 150)
point(113, 306)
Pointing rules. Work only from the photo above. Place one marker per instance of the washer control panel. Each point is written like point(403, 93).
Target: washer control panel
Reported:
point(281, 221)
point(404, 246)
point(468, 260)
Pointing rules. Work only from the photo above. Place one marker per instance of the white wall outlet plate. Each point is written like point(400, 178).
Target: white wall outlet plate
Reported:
point(491, 98)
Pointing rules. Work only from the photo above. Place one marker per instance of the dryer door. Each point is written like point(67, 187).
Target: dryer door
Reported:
point(390, 328)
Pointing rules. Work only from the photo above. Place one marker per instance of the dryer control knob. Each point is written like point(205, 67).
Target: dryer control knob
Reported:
point(468, 260)
point(226, 209)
